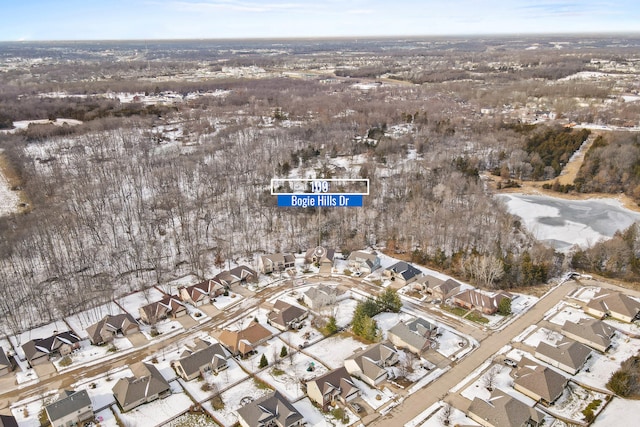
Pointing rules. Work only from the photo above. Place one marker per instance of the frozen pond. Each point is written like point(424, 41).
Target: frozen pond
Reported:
point(563, 223)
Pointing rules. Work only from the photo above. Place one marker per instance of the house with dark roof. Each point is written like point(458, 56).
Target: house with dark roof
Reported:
point(110, 327)
point(275, 262)
point(8, 421)
point(322, 257)
point(402, 272)
point(244, 342)
point(237, 275)
point(272, 410)
point(614, 304)
point(204, 357)
point(417, 335)
point(159, 310)
point(370, 364)
point(5, 363)
point(568, 355)
point(285, 316)
point(72, 409)
point(502, 410)
point(332, 387)
point(41, 350)
point(201, 293)
point(145, 386)
point(473, 299)
point(363, 262)
point(541, 383)
point(320, 296)
point(439, 289)
point(592, 332)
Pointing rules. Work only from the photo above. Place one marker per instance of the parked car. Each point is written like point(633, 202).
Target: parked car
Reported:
point(356, 407)
point(510, 362)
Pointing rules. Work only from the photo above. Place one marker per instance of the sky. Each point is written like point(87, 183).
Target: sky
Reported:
point(214, 19)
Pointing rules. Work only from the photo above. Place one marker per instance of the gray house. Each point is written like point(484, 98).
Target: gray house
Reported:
point(206, 357)
point(272, 410)
point(568, 355)
point(402, 272)
point(74, 408)
point(110, 327)
point(594, 333)
point(146, 386)
point(285, 316)
point(370, 364)
point(417, 335)
point(363, 262)
point(320, 296)
point(502, 410)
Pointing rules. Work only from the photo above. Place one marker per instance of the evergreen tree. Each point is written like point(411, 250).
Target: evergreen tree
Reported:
point(283, 351)
point(389, 301)
point(263, 361)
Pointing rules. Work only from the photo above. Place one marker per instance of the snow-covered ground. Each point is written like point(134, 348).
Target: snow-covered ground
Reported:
point(89, 354)
point(573, 400)
point(132, 302)
point(99, 388)
point(543, 334)
point(79, 322)
point(9, 200)
point(567, 313)
point(585, 294)
point(374, 398)
point(619, 412)
point(231, 376)
point(602, 366)
point(291, 370)
point(234, 399)
point(159, 411)
point(334, 350)
point(436, 417)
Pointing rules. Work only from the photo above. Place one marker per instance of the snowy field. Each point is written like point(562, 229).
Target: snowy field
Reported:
point(234, 399)
point(543, 334)
point(602, 366)
point(79, 322)
point(619, 412)
point(563, 223)
point(334, 350)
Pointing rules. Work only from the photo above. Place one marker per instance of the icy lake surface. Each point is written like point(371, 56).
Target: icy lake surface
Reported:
point(563, 223)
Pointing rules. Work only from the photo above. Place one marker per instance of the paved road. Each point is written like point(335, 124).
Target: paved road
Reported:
point(422, 399)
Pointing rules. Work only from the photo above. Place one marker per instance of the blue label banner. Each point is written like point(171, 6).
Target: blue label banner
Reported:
point(320, 200)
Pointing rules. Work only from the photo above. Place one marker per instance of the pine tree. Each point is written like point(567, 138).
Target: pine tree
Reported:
point(263, 361)
point(283, 351)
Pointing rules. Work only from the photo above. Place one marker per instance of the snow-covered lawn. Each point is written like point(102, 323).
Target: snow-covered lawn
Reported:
point(259, 314)
point(311, 414)
point(568, 313)
point(525, 333)
point(287, 376)
point(222, 381)
point(270, 349)
point(221, 302)
point(166, 326)
point(630, 328)
point(602, 366)
point(27, 411)
point(374, 397)
point(106, 418)
point(574, 399)
point(157, 412)
point(543, 334)
point(235, 398)
point(501, 380)
point(449, 343)
point(308, 334)
point(334, 350)
point(9, 200)
point(344, 311)
point(132, 302)
point(585, 294)
point(619, 412)
point(90, 354)
point(79, 322)
point(99, 388)
point(456, 417)
point(44, 331)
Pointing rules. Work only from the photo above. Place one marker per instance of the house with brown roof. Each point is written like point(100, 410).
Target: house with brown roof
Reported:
point(541, 383)
point(159, 310)
point(439, 289)
point(272, 410)
point(568, 355)
point(417, 335)
point(201, 293)
point(145, 386)
point(110, 327)
point(322, 257)
point(285, 316)
point(614, 304)
point(237, 275)
point(244, 342)
point(473, 299)
point(320, 296)
point(275, 262)
point(370, 364)
point(332, 387)
point(72, 409)
point(502, 410)
point(592, 332)
point(363, 262)
point(5, 363)
point(203, 357)
point(42, 350)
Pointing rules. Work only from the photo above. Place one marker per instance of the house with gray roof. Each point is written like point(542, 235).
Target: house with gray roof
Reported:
point(5, 363)
point(110, 327)
point(541, 383)
point(205, 357)
point(332, 387)
point(147, 385)
point(363, 262)
point(370, 364)
point(439, 289)
point(614, 304)
point(8, 421)
point(272, 410)
point(275, 262)
point(592, 332)
point(285, 316)
point(72, 409)
point(502, 410)
point(402, 272)
point(237, 275)
point(417, 335)
point(568, 355)
point(320, 296)
point(41, 350)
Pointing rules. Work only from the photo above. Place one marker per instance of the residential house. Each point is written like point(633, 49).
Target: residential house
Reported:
point(159, 310)
point(363, 262)
point(245, 341)
point(39, 351)
point(332, 387)
point(568, 355)
point(441, 290)
point(74, 408)
point(285, 316)
point(502, 410)
point(403, 273)
point(322, 257)
point(238, 275)
point(145, 386)
point(611, 303)
point(204, 357)
point(272, 410)
point(110, 327)
point(594, 333)
point(370, 364)
point(201, 293)
point(540, 383)
point(5, 363)
point(417, 335)
point(275, 262)
point(320, 296)
point(473, 299)
point(8, 421)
